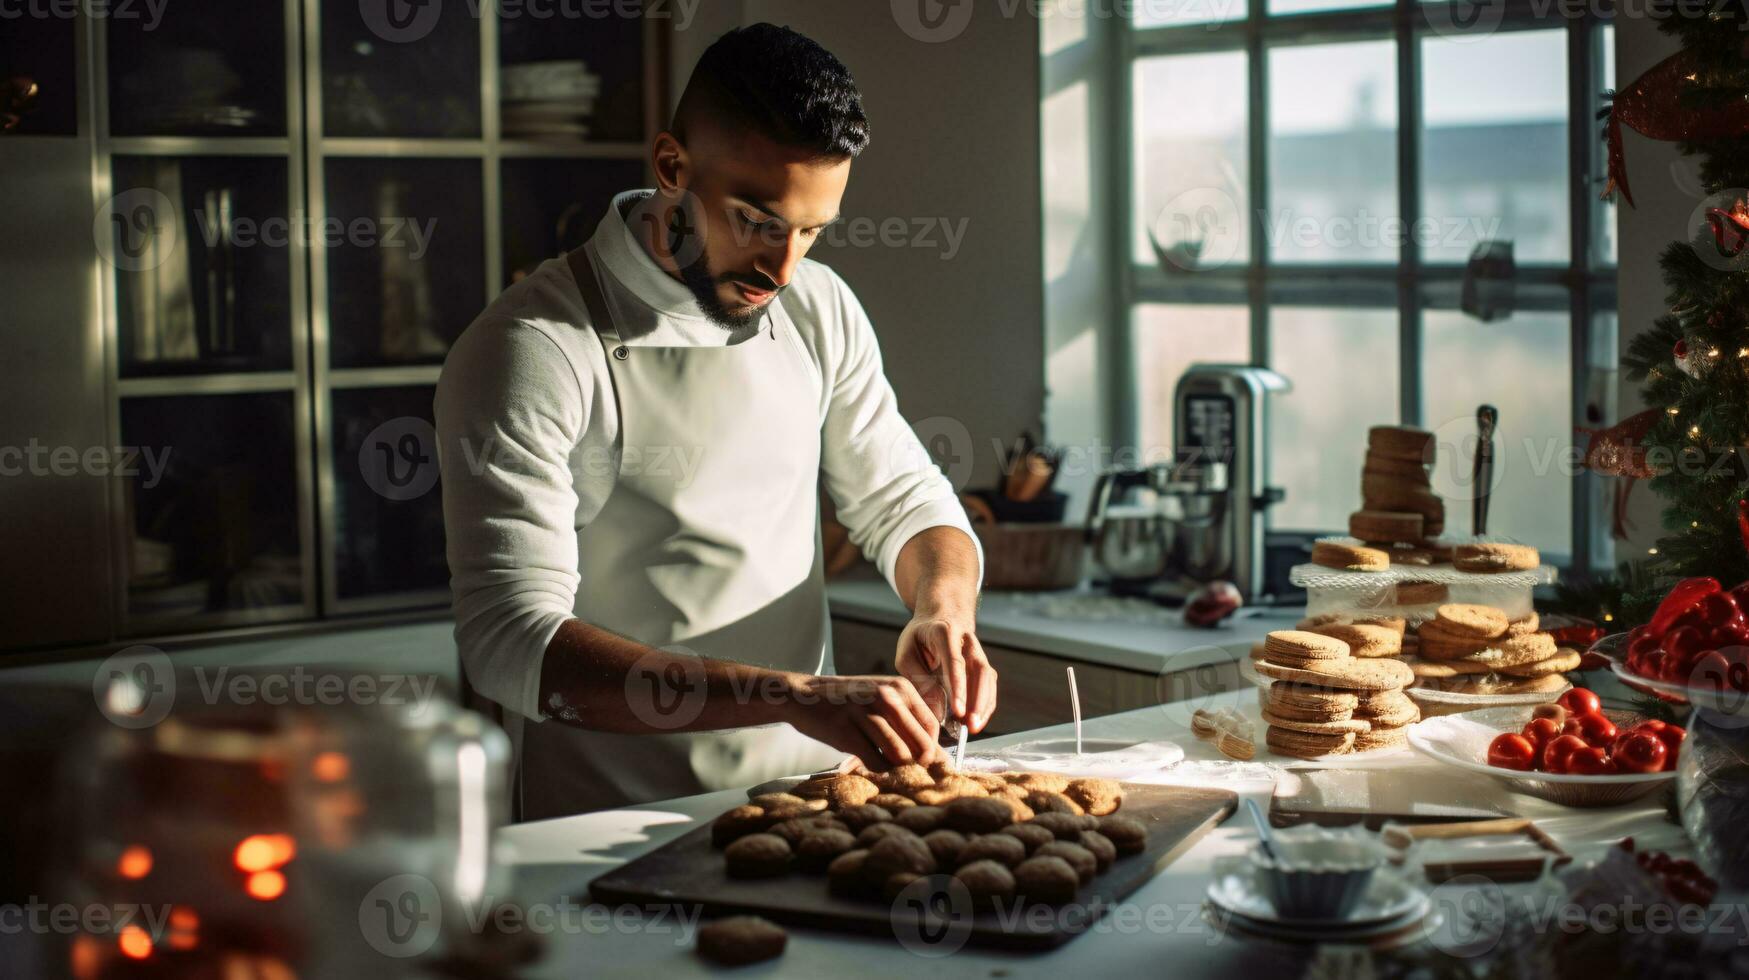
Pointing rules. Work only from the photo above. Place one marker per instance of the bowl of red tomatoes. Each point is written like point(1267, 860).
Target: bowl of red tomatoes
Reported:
point(1572, 751)
point(1695, 650)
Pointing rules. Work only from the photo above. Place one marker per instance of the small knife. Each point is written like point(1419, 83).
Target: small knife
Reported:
point(1482, 473)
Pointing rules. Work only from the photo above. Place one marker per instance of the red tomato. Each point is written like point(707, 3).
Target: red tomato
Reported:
point(1644, 643)
point(1597, 730)
point(1541, 731)
point(1710, 671)
point(1640, 752)
point(1719, 608)
point(1580, 701)
point(1556, 753)
point(1684, 641)
point(1511, 751)
point(1653, 725)
point(1741, 594)
point(1672, 736)
point(1590, 761)
point(1687, 594)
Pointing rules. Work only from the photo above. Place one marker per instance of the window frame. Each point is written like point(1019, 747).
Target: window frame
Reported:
point(1584, 286)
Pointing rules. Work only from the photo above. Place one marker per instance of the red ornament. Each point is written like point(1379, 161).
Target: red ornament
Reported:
point(1616, 451)
point(1730, 228)
point(1679, 354)
point(1653, 106)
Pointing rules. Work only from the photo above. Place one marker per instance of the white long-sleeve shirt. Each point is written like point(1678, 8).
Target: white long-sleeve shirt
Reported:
point(529, 437)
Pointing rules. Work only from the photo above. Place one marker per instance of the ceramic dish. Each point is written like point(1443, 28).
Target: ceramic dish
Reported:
point(1461, 741)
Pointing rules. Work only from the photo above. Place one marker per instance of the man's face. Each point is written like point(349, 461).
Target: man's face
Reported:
point(756, 207)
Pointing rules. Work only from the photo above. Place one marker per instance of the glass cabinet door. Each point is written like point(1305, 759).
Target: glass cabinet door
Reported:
point(407, 265)
point(388, 506)
point(38, 66)
point(398, 69)
point(202, 265)
point(197, 68)
point(211, 510)
point(553, 206)
point(578, 76)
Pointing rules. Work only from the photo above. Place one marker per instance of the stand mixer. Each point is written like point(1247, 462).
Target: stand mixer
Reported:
point(1162, 531)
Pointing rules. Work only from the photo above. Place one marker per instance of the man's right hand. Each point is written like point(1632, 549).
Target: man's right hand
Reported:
point(881, 720)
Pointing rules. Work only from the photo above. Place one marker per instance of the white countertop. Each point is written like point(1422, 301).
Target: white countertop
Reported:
point(1128, 634)
point(1160, 923)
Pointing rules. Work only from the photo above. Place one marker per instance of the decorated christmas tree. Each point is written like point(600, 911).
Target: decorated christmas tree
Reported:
point(1692, 444)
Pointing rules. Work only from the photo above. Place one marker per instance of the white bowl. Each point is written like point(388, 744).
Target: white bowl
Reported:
point(1461, 741)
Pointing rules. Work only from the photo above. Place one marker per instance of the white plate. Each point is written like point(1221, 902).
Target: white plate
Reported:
point(1461, 741)
point(1390, 897)
point(1109, 757)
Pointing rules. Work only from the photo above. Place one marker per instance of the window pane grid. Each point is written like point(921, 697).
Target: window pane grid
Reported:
point(1421, 277)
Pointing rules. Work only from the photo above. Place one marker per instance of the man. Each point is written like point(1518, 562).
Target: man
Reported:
point(631, 442)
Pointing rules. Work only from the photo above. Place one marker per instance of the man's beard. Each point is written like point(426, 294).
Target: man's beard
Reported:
point(696, 276)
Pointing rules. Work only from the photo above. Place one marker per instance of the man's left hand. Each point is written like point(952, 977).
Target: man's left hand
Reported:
point(941, 647)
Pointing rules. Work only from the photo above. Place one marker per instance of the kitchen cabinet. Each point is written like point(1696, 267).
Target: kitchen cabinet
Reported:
point(299, 205)
point(1034, 690)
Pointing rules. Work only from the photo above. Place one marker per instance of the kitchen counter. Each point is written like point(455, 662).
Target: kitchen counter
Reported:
point(1162, 922)
point(1126, 634)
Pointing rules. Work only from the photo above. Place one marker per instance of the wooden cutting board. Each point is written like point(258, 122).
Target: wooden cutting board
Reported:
point(688, 872)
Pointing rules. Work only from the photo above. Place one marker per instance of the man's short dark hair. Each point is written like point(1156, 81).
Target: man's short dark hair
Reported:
point(778, 83)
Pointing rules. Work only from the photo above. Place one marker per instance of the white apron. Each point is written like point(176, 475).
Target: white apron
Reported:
point(727, 567)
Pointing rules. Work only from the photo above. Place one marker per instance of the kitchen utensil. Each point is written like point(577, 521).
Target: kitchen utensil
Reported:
point(1265, 839)
point(1482, 470)
point(689, 874)
point(1505, 849)
point(1461, 741)
point(1075, 708)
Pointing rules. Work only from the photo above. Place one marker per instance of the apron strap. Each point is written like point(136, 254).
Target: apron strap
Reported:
point(583, 270)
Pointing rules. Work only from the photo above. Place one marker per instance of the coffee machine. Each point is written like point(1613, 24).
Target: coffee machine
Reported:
point(1165, 530)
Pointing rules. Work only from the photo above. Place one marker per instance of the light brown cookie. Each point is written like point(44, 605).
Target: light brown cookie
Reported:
point(1381, 738)
point(1564, 661)
point(979, 814)
point(1470, 620)
point(1386, 526)
point(1351, 674)
point(1304, 645)
point(1316, 727)
point(1525, 626)
point(1499, 684)
point(1101, 846)
point(1400, 442)
point(1415, 557)
point(1045, 801)
point(1050, 880)
point(1515, 651)
point(905, 779)
point(741, 939)
point(878, 831)
point(1078, 857)
point(891, 802)
point(1412, 470)
point(1392, 710)
point(844, 875)
point(946, 846)
point(1005, 849)
point(1495, 557)
point(1065, 825)
point(1440, 669)
point(1304, 745)
point(757, 856)
point(1028, 834)
point(920, 819)
point(816, 850)
point(1395, 624)
point(1304, 697)
point(1349, 557)
point(1302, 714)
point(892, 855)
point(986, 881)
point(1127, 834)
point(1364, 640)
point(737, 823)
point(1096, 796)
point(1420, 593)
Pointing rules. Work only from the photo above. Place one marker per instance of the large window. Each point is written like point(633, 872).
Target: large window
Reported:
point(1305, 183)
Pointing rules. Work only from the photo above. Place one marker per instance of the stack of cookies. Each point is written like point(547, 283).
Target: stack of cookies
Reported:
point(1398, 504)
point(1475, 649)
point(1330, 696)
